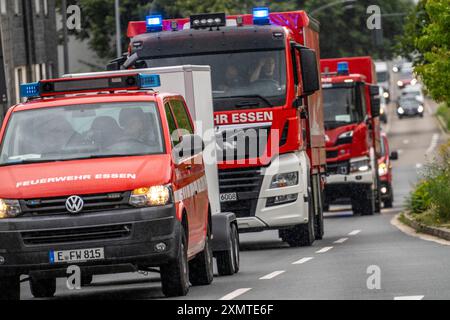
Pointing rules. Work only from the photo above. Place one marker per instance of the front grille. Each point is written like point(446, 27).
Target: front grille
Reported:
point(342, 167)
point(332, 154)
point(247, 185)
point(242, 143)
point(92, 203)
point(54, 236)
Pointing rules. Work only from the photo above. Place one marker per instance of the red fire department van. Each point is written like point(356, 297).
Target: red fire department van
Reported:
point(385, 172)
point(268, 110)
point(352, 109)
point(93, 175)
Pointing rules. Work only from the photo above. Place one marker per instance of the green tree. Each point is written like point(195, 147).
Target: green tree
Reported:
point(434, 45)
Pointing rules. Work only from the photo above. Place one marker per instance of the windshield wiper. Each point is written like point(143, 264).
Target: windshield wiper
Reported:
point(27, 161)
point(248, 103)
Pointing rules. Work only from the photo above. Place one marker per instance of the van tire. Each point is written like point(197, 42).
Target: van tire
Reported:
point(228, 261)
point(201, 268)
point(43, 288)
point(175, 274)
point(10, 288)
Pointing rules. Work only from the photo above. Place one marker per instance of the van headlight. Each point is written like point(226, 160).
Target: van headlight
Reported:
point(282, 180)
point(382, 169)
point(420, 108)
point(360, 165)
point(151, 197)
point(400, 110)
point(9, 208)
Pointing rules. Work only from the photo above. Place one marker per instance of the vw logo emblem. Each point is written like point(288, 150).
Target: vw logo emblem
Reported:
point(74, 204)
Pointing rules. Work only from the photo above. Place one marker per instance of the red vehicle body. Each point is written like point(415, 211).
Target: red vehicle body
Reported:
point(121, 229)
point(353, 132)
point(385, 171)
point(288, 128)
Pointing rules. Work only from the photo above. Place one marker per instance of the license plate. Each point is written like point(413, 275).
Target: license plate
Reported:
point(77, 255)
point(226, 197)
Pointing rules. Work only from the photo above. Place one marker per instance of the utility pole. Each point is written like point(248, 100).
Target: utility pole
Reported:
point(118, 40)
point(65, 36)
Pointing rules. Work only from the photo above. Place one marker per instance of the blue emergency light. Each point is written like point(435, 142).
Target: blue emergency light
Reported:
point(342, 68)
point(47, 88)
point(147, 81)
point(28, 90)
point(154, 23)
point(261, 16)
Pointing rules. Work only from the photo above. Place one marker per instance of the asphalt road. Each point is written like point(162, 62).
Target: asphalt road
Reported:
point(334, 268)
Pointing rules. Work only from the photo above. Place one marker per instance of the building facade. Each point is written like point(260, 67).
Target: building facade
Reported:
point(28, 46)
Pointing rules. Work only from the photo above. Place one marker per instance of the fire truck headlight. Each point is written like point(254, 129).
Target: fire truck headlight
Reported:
point(360, 165)
point(382, 169)
point(150, 197)
point(9, 208)
point(282, 180)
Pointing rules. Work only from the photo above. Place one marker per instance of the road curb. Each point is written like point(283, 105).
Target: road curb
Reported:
point(422, 228)
point(442, 124)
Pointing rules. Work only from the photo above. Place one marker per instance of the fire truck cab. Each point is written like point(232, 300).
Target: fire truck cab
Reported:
point(106, 174)
point(267, 110)
point(352, 110)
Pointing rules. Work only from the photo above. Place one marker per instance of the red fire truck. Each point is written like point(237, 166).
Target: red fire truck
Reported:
point(268, 110)
point(352, 109)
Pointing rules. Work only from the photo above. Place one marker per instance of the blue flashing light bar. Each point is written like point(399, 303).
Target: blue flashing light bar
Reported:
point(29, 90)
point(154, 23)
point(149, 81)
point(342, 68)
point(261, 16)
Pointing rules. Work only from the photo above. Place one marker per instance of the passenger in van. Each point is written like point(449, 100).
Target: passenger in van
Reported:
point(105, 132)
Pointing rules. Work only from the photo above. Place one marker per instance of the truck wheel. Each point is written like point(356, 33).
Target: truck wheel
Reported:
point(318, 223)
point(228, 261)
point(43, 288)
point(175, 274)
point(301, 235)
point(364, 202)
point(201, 268)
point(10, 288)
point(389, 202)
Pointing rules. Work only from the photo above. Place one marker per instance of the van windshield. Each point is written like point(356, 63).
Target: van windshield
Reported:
point(87, 131)
point(256, 78)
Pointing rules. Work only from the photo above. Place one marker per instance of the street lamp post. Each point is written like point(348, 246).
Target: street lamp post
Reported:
point(118, 40)
point(65, 36)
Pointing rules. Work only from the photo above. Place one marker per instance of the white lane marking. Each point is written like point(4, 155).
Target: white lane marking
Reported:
point(409, 298)
point(406, 141)
point(434, 143)
point(303, 260)
point(342, 240)
point(235, 294)
point(272, 275)
point(324, 249)
point(354, 232)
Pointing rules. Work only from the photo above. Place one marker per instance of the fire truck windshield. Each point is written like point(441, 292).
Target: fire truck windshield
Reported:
point(249, 78)
point(98, 130)
point(341, 107)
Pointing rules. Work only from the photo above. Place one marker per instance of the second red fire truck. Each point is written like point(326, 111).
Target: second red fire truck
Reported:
point(352, 109)
point(267, 109)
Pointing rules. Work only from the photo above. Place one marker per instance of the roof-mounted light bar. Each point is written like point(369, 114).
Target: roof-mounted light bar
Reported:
point(261, 16)
point(208, 20)
point(53, 87)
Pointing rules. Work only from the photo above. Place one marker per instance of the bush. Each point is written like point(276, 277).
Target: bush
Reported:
point(444, 112)
point(432, 193)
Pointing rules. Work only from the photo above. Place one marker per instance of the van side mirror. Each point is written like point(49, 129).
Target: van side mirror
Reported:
point(310, 72)
point(394, 155)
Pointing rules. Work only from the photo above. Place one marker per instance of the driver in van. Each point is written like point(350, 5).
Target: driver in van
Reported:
point(133, 125)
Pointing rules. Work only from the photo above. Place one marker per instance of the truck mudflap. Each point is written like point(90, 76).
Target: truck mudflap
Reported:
point(221, 229)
